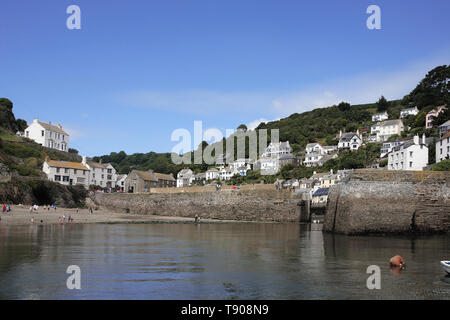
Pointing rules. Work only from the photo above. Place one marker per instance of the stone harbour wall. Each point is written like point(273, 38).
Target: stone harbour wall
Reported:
point(263, 204)
point(374, 201)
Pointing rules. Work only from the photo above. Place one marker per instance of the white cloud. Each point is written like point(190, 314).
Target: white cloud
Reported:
point(355, 89)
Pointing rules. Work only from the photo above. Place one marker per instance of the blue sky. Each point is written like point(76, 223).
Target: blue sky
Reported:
point(137, 70)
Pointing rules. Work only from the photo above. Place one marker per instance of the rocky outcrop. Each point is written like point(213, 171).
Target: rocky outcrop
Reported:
point(21, 190)
point(242, 205)
point(390, 202)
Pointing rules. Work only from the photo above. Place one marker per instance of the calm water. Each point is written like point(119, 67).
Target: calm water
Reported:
point(215, 261)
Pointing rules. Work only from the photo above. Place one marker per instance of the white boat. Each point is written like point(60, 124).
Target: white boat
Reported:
point(446, 266)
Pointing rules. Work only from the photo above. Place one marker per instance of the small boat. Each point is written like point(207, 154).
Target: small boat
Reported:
point(446, 266)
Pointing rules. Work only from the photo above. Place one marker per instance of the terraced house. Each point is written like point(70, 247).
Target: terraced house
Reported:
point(67, 172)
point(142, 181)
point(102, 174)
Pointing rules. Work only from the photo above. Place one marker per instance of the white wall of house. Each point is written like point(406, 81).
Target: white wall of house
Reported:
point(212, 174)
point(388, 129)
point(380, 116)
point(52, 138)
point(409, 156)
point(67, 176)
point(443, 148)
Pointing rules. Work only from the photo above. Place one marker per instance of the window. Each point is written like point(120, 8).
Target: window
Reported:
point(410, 153)
point(66, 178)
point(410, 164)
point(57, 169)
point(27, 133)
point(66, 170)
point(42, 133)
point(84, 172)
point(75, 171)
point(57, 178)
point(109, 170)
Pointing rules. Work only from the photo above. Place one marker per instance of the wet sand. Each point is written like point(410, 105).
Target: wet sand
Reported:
point(21, 215)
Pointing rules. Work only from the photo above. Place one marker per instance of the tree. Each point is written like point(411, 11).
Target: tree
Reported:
point(71, 150)
point(344, 106)
point(432, 90)
point(21, 125)
point(382, 104)
point(444, 165)
point(242, 127)
point(444, 116)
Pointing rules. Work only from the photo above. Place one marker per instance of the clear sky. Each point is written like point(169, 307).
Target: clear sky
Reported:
point(137, 70)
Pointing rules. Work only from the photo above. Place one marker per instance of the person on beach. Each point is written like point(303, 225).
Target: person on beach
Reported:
point(4, 209)
point(8, 209)
point(59, 220)
point(90, 210)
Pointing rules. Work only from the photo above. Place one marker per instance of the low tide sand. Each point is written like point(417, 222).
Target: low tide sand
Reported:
point(21, 215)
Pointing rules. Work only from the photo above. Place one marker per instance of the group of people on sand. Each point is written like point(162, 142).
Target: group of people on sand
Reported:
point(62, 220)
point(35, 208)
point(6, 208)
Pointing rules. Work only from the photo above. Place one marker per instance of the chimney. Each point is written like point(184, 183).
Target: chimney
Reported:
point(84, 160)
point(357, 132)
point(100, 161)
point(59, 126)
point(331, 171)
point(423, 139)
point(416, 139)
point(340, 133)
point(314, 172)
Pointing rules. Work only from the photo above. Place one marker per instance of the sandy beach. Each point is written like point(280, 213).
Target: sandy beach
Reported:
point(20, 215)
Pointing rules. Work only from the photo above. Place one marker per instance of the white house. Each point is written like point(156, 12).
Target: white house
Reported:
point(316, 154)
point(48, 135)
point(102, 174)
point(120, 183)
point(241, 163)
point(389, 145)
point(380, 116)
point(389, 128)
point(268, 165)
point(351, 141)
point(66, 172)
point(277, 149)
point(226, 173)
point(409, 111)
point(185, 178)
point(375, 128)
point(212, 174)
point(443, 148)
point(412, 155)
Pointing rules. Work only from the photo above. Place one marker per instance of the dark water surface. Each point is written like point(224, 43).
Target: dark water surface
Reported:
point(214, 261)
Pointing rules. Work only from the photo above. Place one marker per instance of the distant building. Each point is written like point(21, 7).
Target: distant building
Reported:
point(351, 141)
point(120, 183)
point(316, 154)
point(66, 172)
point(443, 128)
point(375, 128)
point(389, 145)
point(380, 116)
point(389, 128)
point(48, 135)
point(165, 180)
point(212, 174)
point(241, 163)
point(142, 181)
point(320, 196)
point(102, 174)
point(443, 148)
point(411, 155)
point(277, 149)
point(226, 173)
point(185, 178)
point(431, 115)
point(409, 111)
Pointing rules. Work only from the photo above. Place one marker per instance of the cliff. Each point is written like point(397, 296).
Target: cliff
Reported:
point(374, 201)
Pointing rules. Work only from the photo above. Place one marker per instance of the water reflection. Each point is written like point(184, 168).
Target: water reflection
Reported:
point(214, 261)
